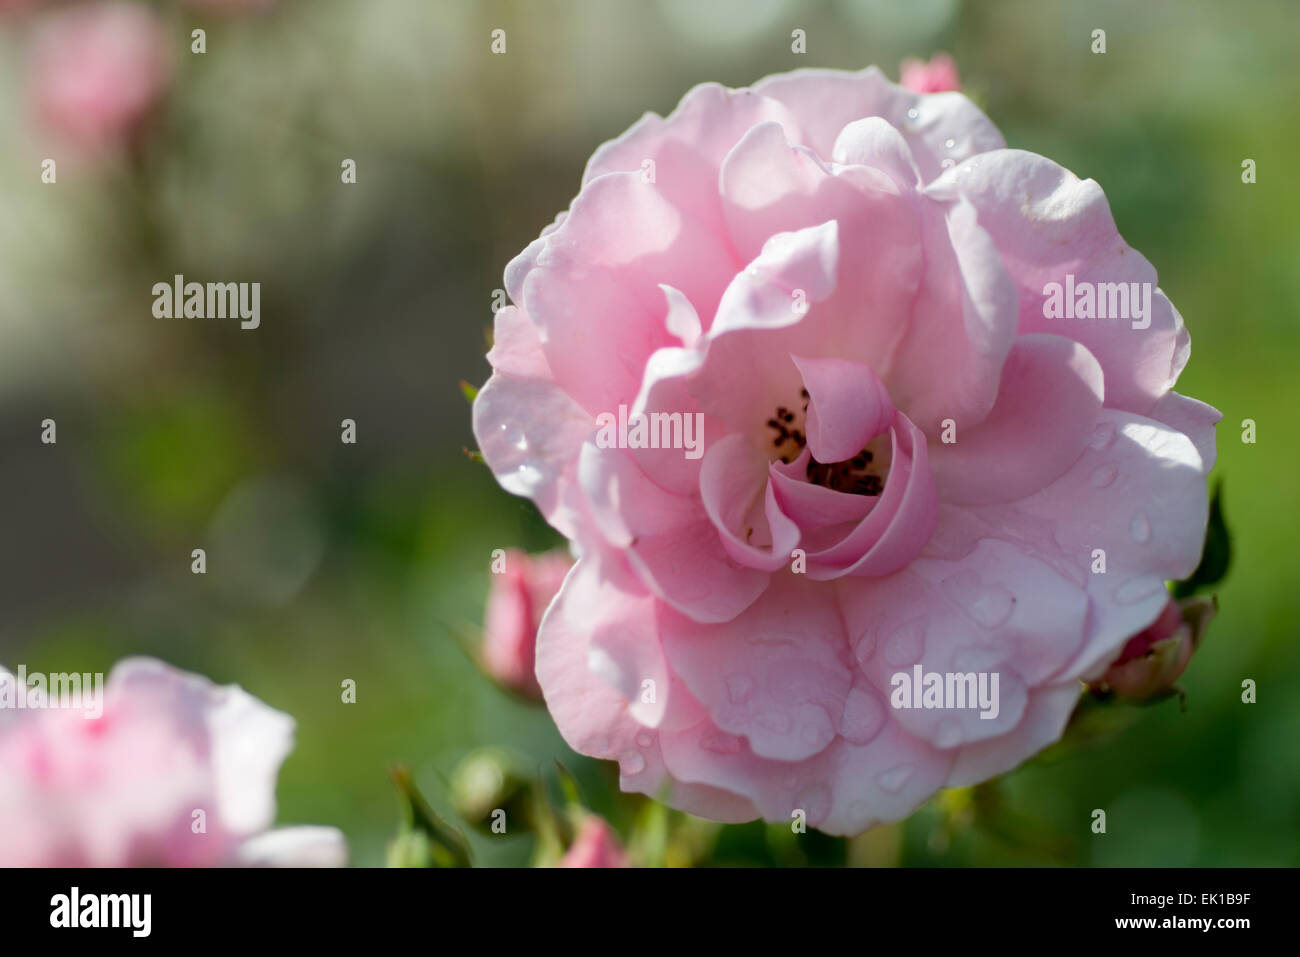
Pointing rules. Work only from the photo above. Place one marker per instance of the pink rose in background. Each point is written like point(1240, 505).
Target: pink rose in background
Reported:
point(908, 469)
point(122, 789)
point(231, 6)
point(15, 6)
point(596, 845)
point(516, 602)
point(98, 71)
point(936, 76)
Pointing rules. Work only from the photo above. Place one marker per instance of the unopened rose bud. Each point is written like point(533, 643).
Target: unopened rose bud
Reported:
point(595, 846)
point(1153, 659)
point(515, 606)
point(938, 75)
point(486, 781)
point(99, 71)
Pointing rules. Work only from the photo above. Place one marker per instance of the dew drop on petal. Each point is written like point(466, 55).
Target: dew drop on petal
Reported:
point(905, 644)
point(1103, 475)
point(739, 688)
point(1139, 527)
point(863, 716)
point(721, 743)
point(631, 763)
point(644, 739)
point(1138, 588)
point(949, 734)
point(816, 802)
point(1102, 436)
point(817, 735)
point(894, 779)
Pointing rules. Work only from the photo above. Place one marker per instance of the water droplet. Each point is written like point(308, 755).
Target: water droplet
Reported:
point(720, 743)
point(1139, 527)
point(777, 722)
point(864, 716)
point(817, 735)
point(816, 802)
point(905, 644)
point(913, 113)
point(1102, 436)
point(1104, 475)
point(631, 763)
point(644, 739)
point(739, 688)
point(949, 143)
point(948, 163)
point(989, 605)
point(949, 734)
point(894, 779)
point(1139, 588)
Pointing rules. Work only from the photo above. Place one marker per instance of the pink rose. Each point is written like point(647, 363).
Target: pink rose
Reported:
point(516, 602)
point(124, 788)
point(98, 71)
point(908, 469)
point(938, 75)
point(595, 846)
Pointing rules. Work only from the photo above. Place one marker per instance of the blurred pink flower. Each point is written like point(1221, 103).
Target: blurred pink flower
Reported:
point(908, 460)
point(98, 71)
point(123, 789)
point(516, 602)
point(596, 845)
point(938, 75)
point(232, 6)
point(15, 6)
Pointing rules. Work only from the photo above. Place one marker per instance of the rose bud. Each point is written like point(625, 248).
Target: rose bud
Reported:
point(489, 780)
point(98, 71)
point(517, 600)
point(595, 846)
point(937, 76)
point(1153, 659)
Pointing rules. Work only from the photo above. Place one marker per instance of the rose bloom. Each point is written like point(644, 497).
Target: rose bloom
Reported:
point(98, 71)
point(121, 789)
point(935, 76)
point(518, 597)
point(906, 464)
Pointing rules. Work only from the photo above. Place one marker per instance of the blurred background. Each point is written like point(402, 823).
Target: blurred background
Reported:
point(370, 561)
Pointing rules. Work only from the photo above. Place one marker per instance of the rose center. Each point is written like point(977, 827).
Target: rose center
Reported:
point(863, 474)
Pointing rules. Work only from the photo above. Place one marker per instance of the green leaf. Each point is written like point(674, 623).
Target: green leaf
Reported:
point(426, 839)
point(1217, 555)
point(470, 392)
